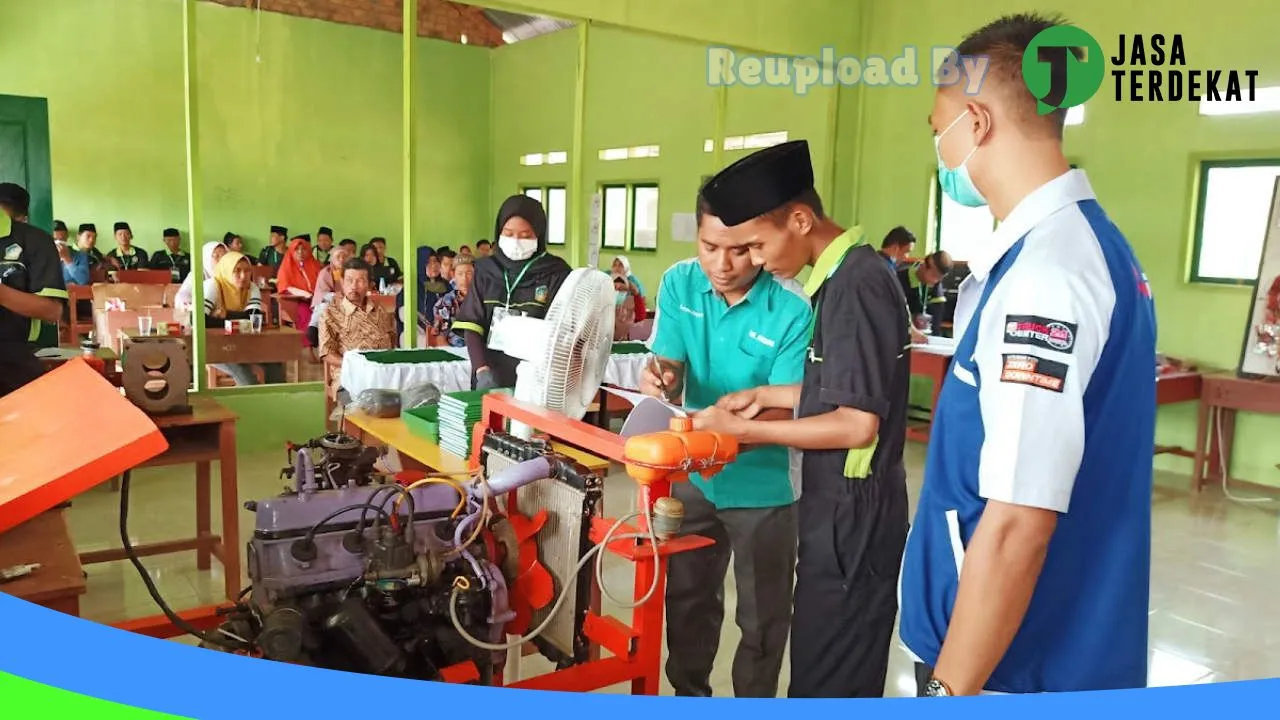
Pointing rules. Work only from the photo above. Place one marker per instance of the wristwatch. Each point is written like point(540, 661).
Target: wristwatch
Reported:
point(936, 688)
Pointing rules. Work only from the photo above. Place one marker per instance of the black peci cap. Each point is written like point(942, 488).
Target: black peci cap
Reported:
point(280, 230)
point(122, 226)
point(172, 232)
point(58, 225)
point(88, 227)
point(760, 183)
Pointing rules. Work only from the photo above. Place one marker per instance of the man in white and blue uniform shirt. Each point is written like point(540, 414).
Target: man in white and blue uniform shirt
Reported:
point(723, 326)
point(1027, 569)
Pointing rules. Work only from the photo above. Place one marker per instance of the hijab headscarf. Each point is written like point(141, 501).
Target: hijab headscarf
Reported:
point(521, 206)
point(206, 252)
point(231, 297)
point(630, 276)
point(294, 274)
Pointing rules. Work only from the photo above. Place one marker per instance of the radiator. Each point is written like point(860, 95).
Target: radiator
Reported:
point(571, 497)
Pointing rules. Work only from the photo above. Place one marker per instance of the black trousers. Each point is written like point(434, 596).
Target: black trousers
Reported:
point(852, 536)
point(18, 366)
point(762, 543)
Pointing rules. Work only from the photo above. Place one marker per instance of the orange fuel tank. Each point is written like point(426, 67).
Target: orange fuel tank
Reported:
point(673, 454)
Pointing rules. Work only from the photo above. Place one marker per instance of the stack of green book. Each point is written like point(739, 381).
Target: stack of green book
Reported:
point(459, 413)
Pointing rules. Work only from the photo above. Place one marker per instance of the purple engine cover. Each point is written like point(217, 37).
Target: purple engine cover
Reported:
point(272, 567)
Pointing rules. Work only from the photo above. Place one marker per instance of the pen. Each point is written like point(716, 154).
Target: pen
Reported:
point(657, 373)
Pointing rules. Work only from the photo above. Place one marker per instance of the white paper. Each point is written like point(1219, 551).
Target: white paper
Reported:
point(684, 227)
point(593, 231)
point(649, 414)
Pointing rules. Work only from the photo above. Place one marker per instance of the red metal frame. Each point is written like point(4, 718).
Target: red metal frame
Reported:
point(636, 649)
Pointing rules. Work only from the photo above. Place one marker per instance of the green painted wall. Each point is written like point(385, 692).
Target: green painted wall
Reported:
point(1140, 158)
point(299, 126)
point(795, 27)
point(641, 89)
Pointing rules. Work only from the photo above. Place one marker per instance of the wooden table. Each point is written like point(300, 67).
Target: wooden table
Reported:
point(1177, 387)
point(272, 345)
point(394, 433)
point(205, 435)
point(933, 363)
point(1222, 397)
point(59, 581)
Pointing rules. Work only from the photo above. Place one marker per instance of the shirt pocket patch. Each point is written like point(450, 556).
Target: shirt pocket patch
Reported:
point(753, 346)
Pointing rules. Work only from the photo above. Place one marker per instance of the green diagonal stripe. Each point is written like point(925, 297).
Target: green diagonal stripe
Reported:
point(24, 699)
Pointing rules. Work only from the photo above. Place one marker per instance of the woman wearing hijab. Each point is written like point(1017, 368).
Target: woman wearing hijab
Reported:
point(520, 277)
point(232, 295)
point(299, 271)
point(211, 252)
point(329, 283)
point(622, 268)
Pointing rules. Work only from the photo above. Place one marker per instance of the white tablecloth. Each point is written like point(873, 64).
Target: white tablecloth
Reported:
point(359, 374)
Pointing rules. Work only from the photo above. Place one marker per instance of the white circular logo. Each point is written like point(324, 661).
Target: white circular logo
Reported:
point(1060, 336)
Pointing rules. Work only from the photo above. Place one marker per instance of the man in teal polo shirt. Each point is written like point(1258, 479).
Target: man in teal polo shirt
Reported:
point(723, 326)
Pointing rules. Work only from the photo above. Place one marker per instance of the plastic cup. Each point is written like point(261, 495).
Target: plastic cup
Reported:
point(144, 324)
point(256, 322)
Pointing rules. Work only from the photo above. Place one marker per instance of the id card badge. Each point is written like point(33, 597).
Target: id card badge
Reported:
point(500, 314)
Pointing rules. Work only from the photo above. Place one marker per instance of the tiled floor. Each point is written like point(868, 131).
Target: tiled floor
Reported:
point(1215, 571)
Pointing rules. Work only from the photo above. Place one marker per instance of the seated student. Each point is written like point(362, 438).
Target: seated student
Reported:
point(125, 256)
point(391, 269)
point(448, 262)
point(328, 287)
point(624, 308)
point(274, 253)
point(75, 264)
point(446, 308)
point(210, 253)
point(922, 284)
point(232, 295)
point(87, 241)
point(896, 247)
point(484, 249)
point(622, 266)
point(434, 287)
point(354, 321)
point(379, 274)
point(235, 243)
point(296, 278)
point(59, 232)
point(465, 252)
point(324, 244)
point(173, 258)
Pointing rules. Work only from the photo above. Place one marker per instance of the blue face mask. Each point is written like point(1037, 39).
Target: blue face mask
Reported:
point(955, 182)
point(619, 297)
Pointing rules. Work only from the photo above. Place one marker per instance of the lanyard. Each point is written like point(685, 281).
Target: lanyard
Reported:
point(512, 286)
point(817, 306)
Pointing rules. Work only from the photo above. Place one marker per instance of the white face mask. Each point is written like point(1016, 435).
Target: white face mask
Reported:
point(518, 248)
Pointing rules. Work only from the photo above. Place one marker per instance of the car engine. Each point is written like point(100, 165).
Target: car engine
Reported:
point(351, 572)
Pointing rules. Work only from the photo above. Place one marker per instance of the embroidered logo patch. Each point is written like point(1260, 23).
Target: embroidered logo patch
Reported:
point(1040, 332)
point(13, 252)
point(540, 294)
point(1034, 371)
point(767, 342)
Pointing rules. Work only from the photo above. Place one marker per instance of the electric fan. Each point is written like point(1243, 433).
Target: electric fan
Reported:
point(563, 356)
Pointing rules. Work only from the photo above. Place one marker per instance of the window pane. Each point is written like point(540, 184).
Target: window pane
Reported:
point(961, 228)
point(646, 219)
point(614, 226)
point(613, 154)
point(555, 216)
point(557, 158)
point(534, 192)
point(1237, 201)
